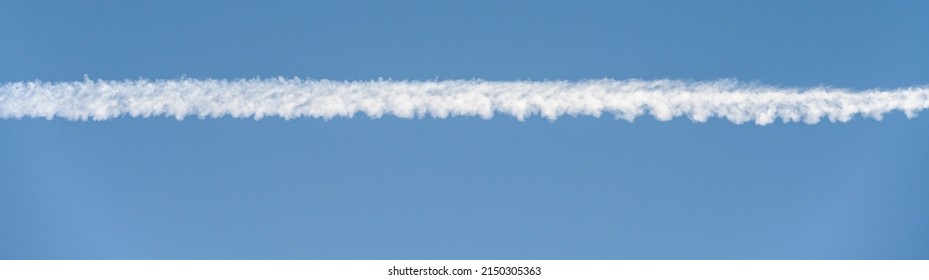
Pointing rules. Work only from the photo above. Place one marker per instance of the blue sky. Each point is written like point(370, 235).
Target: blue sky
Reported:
point(466, 188)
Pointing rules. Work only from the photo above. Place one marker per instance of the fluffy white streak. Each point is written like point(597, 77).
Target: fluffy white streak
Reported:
point(295, 98)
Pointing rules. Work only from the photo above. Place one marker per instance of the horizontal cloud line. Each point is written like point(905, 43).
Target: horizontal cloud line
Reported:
point(298, 98)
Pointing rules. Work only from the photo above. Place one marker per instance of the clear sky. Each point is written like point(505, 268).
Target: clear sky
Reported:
point(466, 188)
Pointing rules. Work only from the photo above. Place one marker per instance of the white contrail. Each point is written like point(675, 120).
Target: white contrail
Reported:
point(295, 98)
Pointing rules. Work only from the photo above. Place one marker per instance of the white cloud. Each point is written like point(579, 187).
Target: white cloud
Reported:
point(296, 98)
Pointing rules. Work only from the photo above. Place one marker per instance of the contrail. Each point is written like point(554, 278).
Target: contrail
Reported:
point(298, 98)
